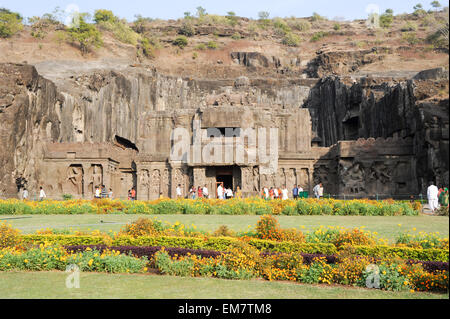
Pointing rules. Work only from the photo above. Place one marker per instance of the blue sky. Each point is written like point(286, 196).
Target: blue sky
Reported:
point(173, 9)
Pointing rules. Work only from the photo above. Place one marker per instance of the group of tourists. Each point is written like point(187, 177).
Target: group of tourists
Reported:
point(283, 193)
point(437, 197)
point(101, 192)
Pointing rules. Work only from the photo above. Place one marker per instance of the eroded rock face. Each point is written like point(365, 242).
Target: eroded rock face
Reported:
point(341, 62)
point(383, 108)
point(81, 129)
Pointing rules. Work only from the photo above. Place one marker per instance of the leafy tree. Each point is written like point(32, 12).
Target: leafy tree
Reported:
point(85, 34)
point(263, 18)
point(201, 12)
point(10, 23)
point(263, 15)
point(387, 18)
point(104, 15)
point(231, 17)
point(418, 10)
point(436, 5)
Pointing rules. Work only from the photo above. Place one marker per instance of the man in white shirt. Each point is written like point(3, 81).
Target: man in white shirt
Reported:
point(229, 193)
point(318, 190)
point(205, 192)
point(178, 191)
point(266, 192)
point(25, 194)
point(220, 192)
point(284, 193)
point(275, 192)
point(42, 194)
point(432, 194)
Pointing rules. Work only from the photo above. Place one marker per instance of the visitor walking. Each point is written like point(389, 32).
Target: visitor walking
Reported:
point(133, 194)
point(200, 192)
point(275, 193)
point(295, 192)
point(266, 192)
point(238, 193)
point(25, 194)
point(284, 193)
point(110, 194)
point(178, 191)
point(192, 192)
point(220, 191)
point(41, 194)
point(443, 198)
point(129, 194)
point(104, 194)
point(97, 192)
point(318, 190)
point(229, 193)
point(205, 192)
point(432, 195)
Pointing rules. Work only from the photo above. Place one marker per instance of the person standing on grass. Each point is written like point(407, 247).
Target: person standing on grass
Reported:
point(133, 194)
point(178, 191)
point(205, 192)
point(97, 192)
point(220, 191)
point(295, 192)
point(318, 191)
point(443, 198)
point(275, 193)
point(103, 192)
point(110, 194)
point(41, 194)
point(432, 195)
point(25, 194)
point(284, 193)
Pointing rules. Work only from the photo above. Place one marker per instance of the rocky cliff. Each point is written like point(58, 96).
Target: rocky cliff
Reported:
point(113, 104)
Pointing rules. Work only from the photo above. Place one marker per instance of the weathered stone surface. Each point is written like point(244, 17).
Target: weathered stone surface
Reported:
point(113, 126)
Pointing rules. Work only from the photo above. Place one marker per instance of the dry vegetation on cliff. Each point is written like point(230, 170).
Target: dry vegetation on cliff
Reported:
point(200, 45)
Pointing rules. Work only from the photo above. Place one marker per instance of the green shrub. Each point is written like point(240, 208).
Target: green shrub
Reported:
point(181, 42)
point(409, 26)
point(85, 34)
point(337, 27)
point(386, 19)
point(67, 196)
point(187, 29)
point(318, 36)
point(301, 25)
point(167, 266)
point(102, 15)
point(316, 17)
point(410, 38)
point(10, 23)
point(212, 45)
point(291, 39)
point(236, 36)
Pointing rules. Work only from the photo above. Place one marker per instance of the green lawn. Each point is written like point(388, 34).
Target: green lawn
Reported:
point(99, 285)
point(386, 226)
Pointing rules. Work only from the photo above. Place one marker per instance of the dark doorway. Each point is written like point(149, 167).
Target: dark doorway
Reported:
point(227, 180)
point(225, 175)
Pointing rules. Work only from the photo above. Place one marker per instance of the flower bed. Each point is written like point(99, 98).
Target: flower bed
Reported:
point(341, 260)
point(247, 206)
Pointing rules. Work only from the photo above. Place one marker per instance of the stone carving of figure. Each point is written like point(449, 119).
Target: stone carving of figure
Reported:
point(75, 176)
point(156, 182)
point(256, 179)
point(96, 177)
point(165, 182)
point(290, 177)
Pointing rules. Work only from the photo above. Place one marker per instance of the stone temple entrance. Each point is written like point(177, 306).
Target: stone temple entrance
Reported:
point(225, 175)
